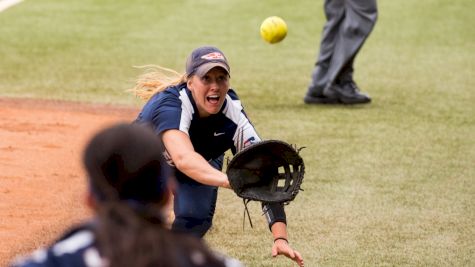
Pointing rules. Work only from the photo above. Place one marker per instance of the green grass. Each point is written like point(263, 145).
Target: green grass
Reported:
point(387, 184)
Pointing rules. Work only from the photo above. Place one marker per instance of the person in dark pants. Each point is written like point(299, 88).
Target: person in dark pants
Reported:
point(349, 23)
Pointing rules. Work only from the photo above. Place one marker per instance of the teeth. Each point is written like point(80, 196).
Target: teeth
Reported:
point(213, 97)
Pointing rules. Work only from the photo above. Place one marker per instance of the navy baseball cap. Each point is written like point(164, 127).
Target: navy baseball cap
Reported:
point(203, 59)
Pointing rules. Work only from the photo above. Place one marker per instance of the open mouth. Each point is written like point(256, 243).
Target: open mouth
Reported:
point(213, 99)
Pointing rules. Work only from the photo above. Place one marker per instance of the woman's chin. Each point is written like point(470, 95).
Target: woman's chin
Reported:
point(213, 108)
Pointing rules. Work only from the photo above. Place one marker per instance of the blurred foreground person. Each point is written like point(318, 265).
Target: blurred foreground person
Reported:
point(130, 185)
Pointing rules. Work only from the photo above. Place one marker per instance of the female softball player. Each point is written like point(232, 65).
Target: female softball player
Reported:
point(199, 118)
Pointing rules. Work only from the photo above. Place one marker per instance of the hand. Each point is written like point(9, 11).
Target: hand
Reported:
point(281, 247)
point(226, 184)
point(224, 181)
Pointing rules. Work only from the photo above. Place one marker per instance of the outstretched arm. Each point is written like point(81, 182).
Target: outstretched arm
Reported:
point(276, 218)
point(185, 158)
point(281, 244)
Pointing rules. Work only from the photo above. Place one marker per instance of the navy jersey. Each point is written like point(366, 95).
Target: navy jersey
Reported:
point(78, 248)
point(175, 108)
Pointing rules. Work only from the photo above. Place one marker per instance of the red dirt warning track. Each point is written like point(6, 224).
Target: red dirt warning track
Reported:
point(41, 177)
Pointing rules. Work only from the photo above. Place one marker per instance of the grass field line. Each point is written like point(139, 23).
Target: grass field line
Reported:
point(5, 4)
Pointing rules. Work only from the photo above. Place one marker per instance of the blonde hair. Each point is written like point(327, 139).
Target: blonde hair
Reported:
point(155, 80)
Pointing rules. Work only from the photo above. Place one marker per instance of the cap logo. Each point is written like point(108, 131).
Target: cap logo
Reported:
point(213, 55)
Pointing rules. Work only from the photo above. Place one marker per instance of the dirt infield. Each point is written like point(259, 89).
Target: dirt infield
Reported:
point(41, 177)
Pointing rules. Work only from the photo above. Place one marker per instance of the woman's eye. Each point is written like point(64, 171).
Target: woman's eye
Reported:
point(209, 79)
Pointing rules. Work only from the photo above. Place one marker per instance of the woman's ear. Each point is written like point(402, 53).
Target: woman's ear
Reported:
point(189, 83)
point(90, 201)
point(167, 206)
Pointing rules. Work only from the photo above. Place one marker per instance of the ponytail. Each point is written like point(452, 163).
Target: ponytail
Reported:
point(155, 80)
point(126, 238)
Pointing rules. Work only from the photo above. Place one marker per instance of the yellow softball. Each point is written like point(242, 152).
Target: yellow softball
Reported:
point(273, 29)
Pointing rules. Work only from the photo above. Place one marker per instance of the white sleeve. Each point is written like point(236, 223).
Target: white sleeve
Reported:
point(245, 134)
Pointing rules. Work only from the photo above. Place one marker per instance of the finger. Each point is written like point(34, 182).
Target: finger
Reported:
point(298, 258)
point(274, 251)
point(298, 255)
point(286, 250)
point(290, 253)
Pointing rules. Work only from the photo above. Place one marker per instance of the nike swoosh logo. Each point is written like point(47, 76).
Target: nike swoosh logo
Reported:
point(218, 134)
